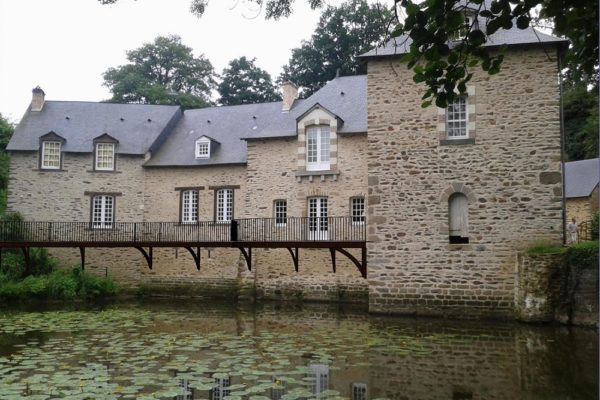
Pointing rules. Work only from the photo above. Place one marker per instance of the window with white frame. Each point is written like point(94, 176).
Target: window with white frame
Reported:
point(51, 155)
point(189, 206)
point(103, 211)
point(458, 218)
point(457, 119)
point(202, 148)
point(320, 375)
point(105, 157)
point(357, 205)
point(224, 205)
point(317, 148)
point(463, 30)
point(219, 392)
point(318, 224)
point(359, 391)
point(280, 210)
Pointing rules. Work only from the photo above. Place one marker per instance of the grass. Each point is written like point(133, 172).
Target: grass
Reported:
point(545, 248)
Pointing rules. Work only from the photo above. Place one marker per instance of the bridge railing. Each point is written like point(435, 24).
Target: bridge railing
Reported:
point(253, 229)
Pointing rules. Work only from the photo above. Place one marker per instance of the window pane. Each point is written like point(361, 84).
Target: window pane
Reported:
point(51, 155)
point(358, 210)
point(105, 156)
point(324, 143)
point(202, 149)
point(102, 211)
point(189, 207)
point(456, 118)
point(318, 148)
point(281, 212)
point(224, 205)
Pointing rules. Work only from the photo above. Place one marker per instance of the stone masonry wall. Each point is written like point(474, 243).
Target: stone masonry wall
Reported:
point(582, 208)
point(275, 276)
point(510, 174)
point(64, 196)
point(175, 267)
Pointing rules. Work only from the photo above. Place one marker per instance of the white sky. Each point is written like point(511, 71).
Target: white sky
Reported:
point(64, 46)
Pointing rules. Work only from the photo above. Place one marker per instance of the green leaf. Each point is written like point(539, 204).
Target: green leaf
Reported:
point(426, 104)
point(523, 22)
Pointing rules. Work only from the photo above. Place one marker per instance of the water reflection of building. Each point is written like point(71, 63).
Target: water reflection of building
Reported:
point(219, 392)
point(187, 393)
point(278, 389)
point(359, 391)
point(320, 373)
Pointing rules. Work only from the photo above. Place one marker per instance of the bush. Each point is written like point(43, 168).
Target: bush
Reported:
point(583, 255)
point(58, 285)
point(12, 266)
point(13, 263)
point(595, 226)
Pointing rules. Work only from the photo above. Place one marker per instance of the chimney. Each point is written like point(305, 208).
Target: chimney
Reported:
point(37, 99)
point(290, 93)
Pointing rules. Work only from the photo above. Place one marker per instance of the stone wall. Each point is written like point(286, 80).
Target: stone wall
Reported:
point(175, 267)
point(549, 288)
point(582, 208)
point(538, 286)
point(65, 195)
point(275, 277)
point(510, 174)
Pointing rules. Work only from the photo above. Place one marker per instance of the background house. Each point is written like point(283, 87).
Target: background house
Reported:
point(581, 189)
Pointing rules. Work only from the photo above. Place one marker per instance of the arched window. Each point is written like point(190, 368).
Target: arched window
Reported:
point(458, 218)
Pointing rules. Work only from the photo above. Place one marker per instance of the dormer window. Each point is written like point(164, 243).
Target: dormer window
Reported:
point(203, 148)
point(317, 148)
point(104, 152)
point(463, 30)
point(105, 157)
point(50, 151)
point(50, 155)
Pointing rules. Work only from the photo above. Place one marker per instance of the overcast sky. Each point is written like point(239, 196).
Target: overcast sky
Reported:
point(64, 46)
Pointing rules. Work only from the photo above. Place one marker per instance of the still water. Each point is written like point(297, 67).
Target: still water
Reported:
point(186, 350)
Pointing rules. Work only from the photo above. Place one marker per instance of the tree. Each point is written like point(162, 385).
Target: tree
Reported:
point(245, 83)
point(581, 121)
point(431, 23)
point(163, 72)
point(341, 35)
point(6, 131)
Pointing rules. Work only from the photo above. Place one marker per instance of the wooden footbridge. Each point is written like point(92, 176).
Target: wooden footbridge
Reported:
point(338, 234)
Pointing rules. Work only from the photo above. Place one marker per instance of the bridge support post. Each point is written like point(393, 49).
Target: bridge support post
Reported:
point(27, 260)
point(195, 255)
point(332, 251)
point(147, 255)
point(82, 254)
point(294, 254)
point(247, 256)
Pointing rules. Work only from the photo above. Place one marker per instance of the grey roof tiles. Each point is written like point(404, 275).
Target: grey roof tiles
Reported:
point(170, 134)
point(581, 177)
point(135, 126)
point(514, 36)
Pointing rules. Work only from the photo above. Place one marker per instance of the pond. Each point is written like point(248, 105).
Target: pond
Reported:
point(196, 350)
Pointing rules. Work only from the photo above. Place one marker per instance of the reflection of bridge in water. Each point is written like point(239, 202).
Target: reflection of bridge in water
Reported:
point(338, 234)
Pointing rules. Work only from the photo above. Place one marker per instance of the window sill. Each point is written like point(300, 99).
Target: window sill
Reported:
point(310, 175)
point(449, 142)
point(104, 172)
point(49, 170)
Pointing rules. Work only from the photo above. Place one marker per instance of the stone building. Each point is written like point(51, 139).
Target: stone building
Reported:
point(455, 193)
point(448, 195)
point(581, 189)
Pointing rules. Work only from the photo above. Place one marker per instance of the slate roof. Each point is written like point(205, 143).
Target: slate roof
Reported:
point(581, 177)
point(231, 125)
point(514, 36)
point(135, 126)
